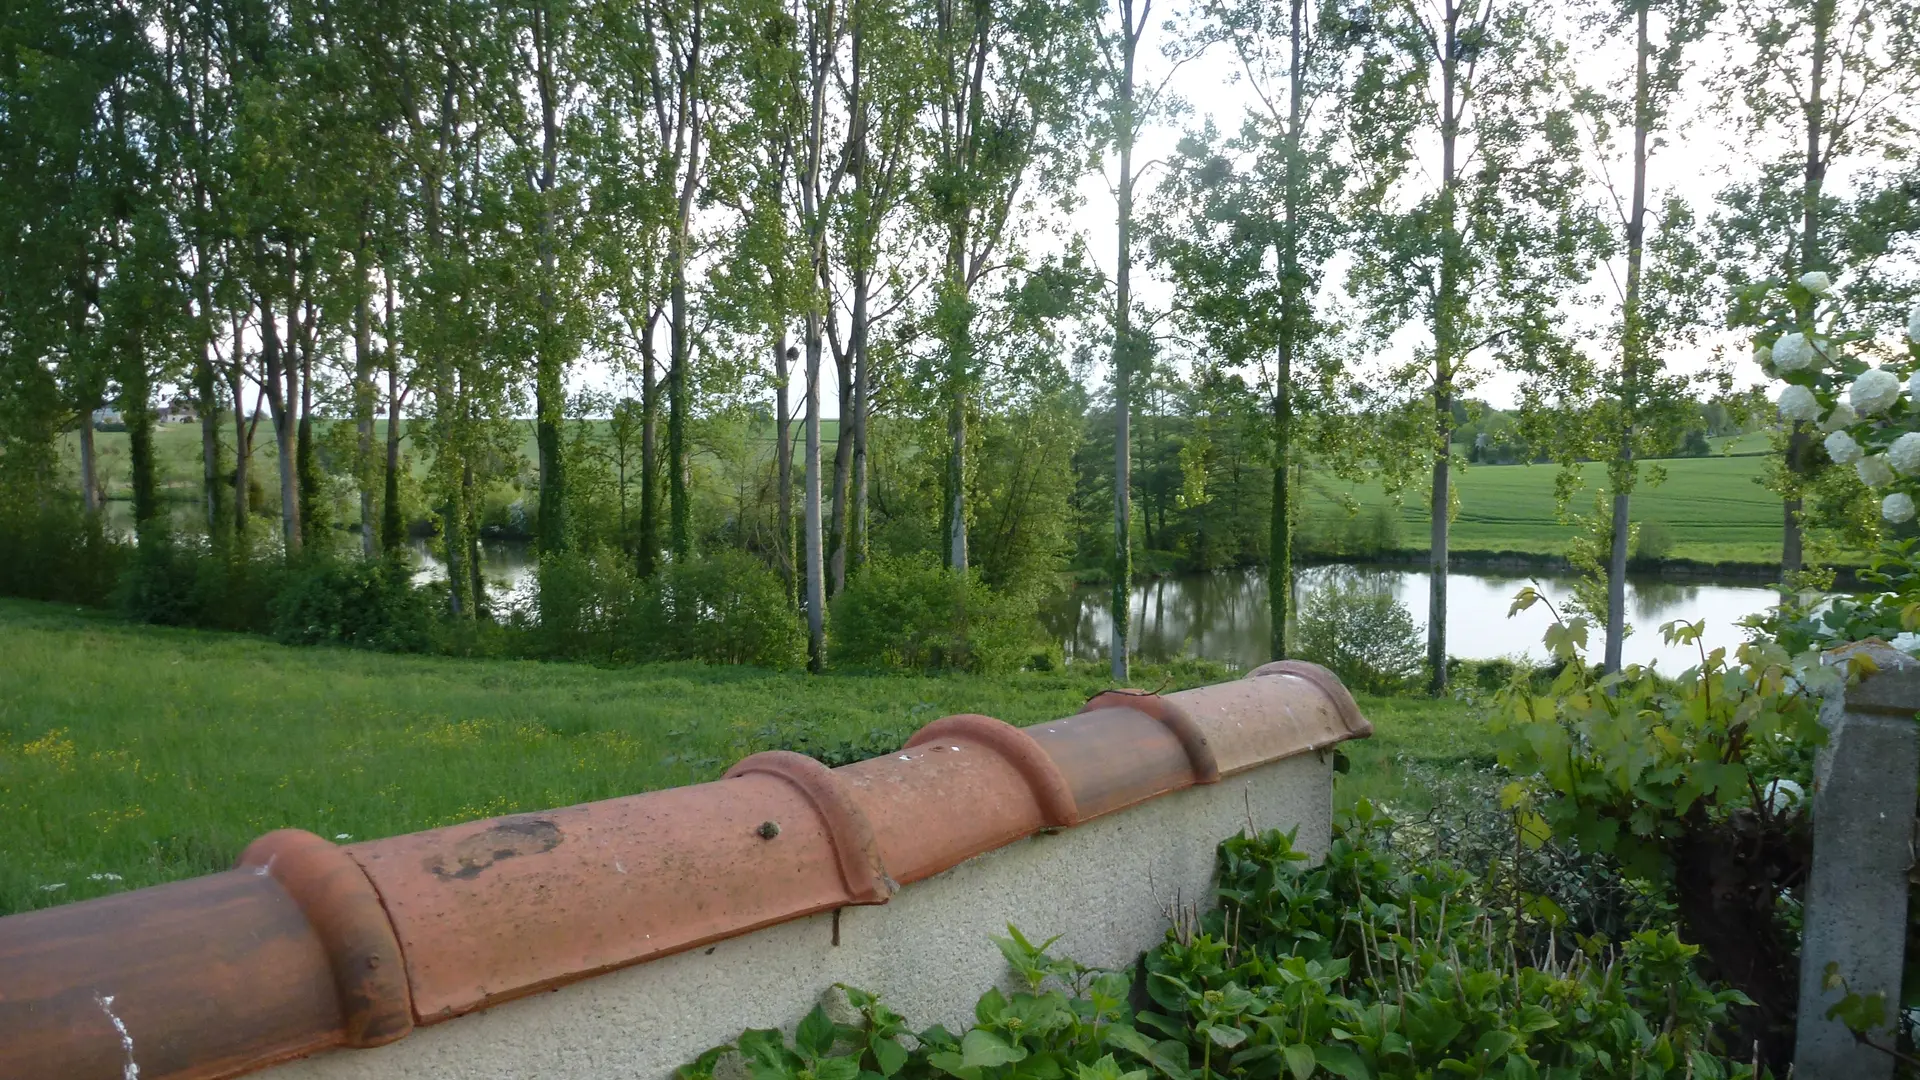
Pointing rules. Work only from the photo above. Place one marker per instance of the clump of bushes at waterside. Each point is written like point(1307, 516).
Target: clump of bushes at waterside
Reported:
point(916, 615)
point(724, 608)
point(591, 603)
point(1357, 628)
point(1365, 966)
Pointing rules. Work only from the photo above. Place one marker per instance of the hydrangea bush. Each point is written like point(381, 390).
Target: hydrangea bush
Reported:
point(1870, 414)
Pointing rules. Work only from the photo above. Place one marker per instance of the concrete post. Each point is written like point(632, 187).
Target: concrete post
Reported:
point(1856, 912)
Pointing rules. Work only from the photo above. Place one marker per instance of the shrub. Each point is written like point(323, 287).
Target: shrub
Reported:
point(916, 615)
point(1354, 626)
point(1652, 541)
point(723, 608)
point(1667, 777)
point(345, 601)
point(583, 606)
point(56, 551)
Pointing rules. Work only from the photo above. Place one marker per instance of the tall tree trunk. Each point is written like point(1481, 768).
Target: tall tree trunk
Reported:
point(549, 391)
point(679, 499)
point(89, 457)
point(1280, 523)
point(206, 389)
point(365, 393)
point(842, 476)
point(1792, 555)
point(136, 408)
point(857, 542)
point(1632, 347)
point(816, 569)
point(649, 541)
point(783, 357)
point(242, 439)
point(1123, 359)
point(477, 584)
point(1445, 342)
point(393, 525)
point(272, 359)
point(307, 462)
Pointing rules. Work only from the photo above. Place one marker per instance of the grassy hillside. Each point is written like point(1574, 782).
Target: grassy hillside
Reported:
point(133, 755)
point(1713, 508)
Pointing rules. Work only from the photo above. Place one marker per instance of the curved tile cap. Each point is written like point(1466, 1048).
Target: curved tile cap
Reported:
point(307, 946)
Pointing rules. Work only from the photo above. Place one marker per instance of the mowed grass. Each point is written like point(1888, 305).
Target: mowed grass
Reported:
point(135, 755)
point(1712, 508)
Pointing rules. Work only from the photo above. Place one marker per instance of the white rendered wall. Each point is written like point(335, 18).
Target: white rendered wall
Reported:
point(1105, 887)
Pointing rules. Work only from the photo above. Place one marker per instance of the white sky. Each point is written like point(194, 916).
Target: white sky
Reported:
point(1696, 159)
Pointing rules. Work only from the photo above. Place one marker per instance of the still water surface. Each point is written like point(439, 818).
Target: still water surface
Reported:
point(1223, 615)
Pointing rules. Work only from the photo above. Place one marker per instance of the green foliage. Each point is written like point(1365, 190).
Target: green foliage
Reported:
point(725, 608)
point(915, 615)
point(1627, 764)
point(1888, 607)
point(1355, 626)
point(56, 551)
point(1359, 968)
point(1652, 541)
point(328, 600)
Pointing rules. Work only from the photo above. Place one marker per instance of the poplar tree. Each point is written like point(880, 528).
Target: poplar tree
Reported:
point(1466, 154)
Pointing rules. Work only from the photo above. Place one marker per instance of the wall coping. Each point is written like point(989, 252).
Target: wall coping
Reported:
point(306, 945)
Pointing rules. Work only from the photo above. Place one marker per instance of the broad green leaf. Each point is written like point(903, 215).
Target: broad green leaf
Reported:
point(983, 1049)
point(814, 1037)
point(889, 1055)
point(1342, 1061)
point(1300, 1060)
point(838, 1068)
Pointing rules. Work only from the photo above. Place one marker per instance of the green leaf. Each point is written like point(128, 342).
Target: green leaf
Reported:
point(889, 1055)
point(1300, 1061)
point(983, 1049)
point(814, 1037)
point(1342, 1061)
point(1225, 1037)
point(1495, 1043)
point(839, 1068)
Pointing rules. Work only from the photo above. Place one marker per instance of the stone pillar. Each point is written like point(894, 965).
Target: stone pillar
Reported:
point(1863, 810)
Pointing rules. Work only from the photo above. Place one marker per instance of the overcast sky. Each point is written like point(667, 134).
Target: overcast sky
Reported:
point(1696, 159)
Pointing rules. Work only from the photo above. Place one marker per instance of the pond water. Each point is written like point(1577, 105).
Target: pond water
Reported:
point(1223, 615)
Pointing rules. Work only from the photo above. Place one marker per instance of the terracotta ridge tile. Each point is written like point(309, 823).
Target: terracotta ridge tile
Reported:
point(1019, 749)
point(847, 826)
point(1193, 740)
point(352, 924)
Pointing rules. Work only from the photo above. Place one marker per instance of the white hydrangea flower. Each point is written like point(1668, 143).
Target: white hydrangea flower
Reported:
point(1793, 352)
point(1874, 391)
point(1816, 282)
point(1842, 449)
point(1913, 324)
point(1798, 403)
point(1783, 795)
point(1904, 454)
point(1913, 385)
point(1842, 416)
point(1763, 352)
point(1897, 507)
point(1908, 642)
point(1874, 471)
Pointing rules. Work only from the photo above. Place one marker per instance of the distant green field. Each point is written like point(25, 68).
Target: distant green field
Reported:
point(1714, 508)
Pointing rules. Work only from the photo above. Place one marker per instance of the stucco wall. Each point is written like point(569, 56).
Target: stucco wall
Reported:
point(1104, 886)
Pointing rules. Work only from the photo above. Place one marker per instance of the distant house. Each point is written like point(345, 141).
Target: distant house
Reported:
point(178, 411)
point(108, 419)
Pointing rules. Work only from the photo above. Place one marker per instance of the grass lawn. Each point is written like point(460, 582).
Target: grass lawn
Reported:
point(134, 755)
